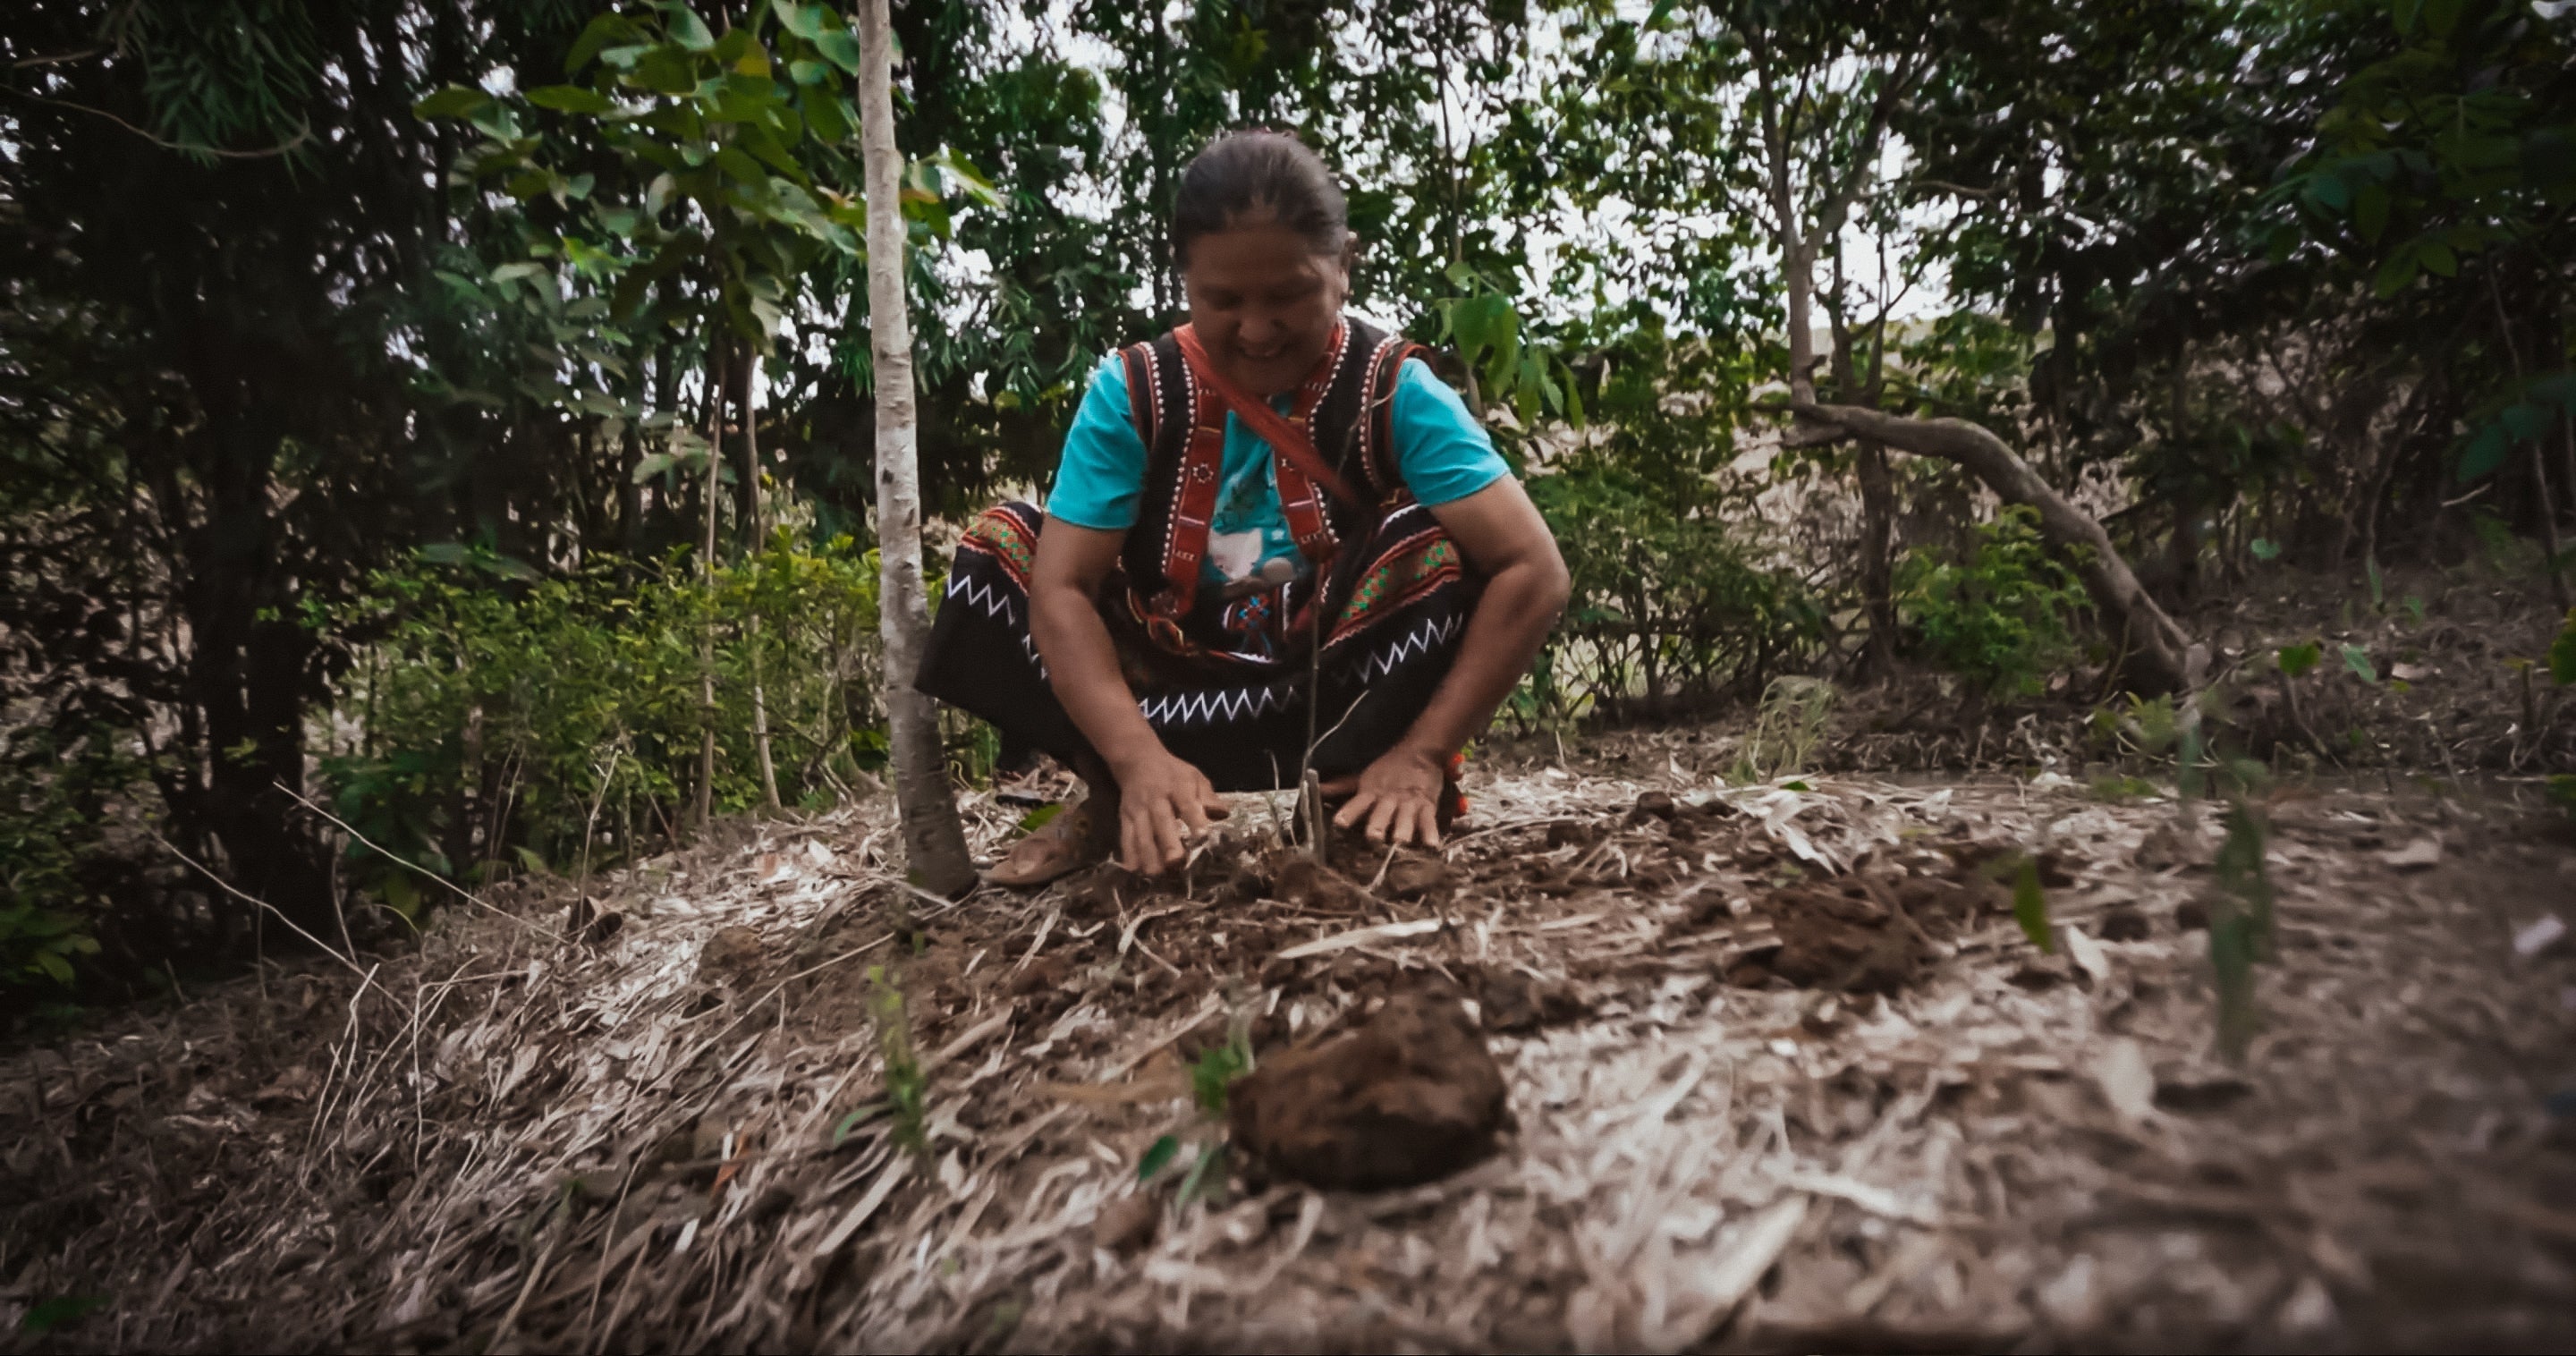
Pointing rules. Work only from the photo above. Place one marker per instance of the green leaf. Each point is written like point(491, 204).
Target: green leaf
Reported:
point(826, 115)
point(55, 966)
point(2357, 660)
point(734, 161)
point(687, 28)
point(47, 1315)
point(602, 31)
point(535, 864)
point(2264, 549)
point(1040, 817)
point(2370, 211)
point(2378, 591)
point(2485, 453)
point(571, 99)
point(455, 101)
point(841, 49)
point(2297, 661)
point(2399, 270)
point(2562, 654)
point(2439, 259)
point(805, 72)
point(1157, 1157)
point(2030, 906)
point(805, 21)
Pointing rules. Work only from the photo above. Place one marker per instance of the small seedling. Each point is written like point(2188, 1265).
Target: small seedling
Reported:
point(1214, 1074)
point(2030, 907)
point(906, 1085)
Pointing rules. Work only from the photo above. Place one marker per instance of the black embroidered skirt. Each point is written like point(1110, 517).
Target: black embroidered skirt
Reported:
point(1228, 693)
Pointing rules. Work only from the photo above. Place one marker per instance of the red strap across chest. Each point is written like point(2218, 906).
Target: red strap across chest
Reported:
point(1294, 459)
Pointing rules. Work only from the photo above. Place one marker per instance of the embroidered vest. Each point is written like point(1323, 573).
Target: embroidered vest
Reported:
point(1347, 408)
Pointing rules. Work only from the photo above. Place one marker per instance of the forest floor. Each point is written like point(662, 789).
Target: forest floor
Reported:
point(1782, 1070)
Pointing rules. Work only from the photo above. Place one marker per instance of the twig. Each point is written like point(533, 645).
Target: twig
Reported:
point(468, 895)
point(365, 977)
point(302, 134)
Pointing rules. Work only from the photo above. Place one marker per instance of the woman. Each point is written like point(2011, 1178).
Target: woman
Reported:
point(1275, 541)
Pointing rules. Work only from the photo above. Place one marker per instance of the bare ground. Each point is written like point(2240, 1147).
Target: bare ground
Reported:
point(1784, 1072)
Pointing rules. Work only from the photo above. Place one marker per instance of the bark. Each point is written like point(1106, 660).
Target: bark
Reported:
point(752, 532)
point(934, 844)
point(2159, 651)
point(1877, 492)
point(706, 812)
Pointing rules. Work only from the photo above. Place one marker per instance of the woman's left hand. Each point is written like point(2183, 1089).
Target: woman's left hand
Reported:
point(1398, 796)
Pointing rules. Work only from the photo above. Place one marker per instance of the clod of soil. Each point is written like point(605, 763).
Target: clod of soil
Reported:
point(1512, 1002)
point(1412, 877)
point(1310, 884)
point(1835, 939)
point(1126, 1224)
point(1408, 1098)
point(2124, 924)
point(731, 955)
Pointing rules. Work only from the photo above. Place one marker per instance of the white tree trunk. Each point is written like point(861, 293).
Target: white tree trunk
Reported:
point(933, 843)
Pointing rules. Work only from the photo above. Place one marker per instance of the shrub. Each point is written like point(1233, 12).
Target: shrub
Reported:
point(2003, 616)
point(53, 847)
point(1666, 601)
point(554, 723)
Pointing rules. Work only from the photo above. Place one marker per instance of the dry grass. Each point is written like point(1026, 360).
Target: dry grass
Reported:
point(543, 1138)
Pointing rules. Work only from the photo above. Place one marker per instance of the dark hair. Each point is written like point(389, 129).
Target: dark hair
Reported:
point(1268, 175)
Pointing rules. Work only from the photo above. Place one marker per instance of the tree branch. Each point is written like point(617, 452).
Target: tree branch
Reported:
point(302, 135)
point(2162, 655)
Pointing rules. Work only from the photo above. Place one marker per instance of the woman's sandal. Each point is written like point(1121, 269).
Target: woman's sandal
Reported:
point(1056, 849)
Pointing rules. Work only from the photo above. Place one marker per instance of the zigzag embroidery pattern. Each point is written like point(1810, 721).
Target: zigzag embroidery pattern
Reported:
point(1189, 708)
point(1431, 634)
point(996, 602)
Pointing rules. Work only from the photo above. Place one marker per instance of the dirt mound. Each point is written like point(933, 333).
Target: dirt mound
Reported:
point(1410, 1097)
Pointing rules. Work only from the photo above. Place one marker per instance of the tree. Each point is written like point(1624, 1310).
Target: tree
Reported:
point(933, 842)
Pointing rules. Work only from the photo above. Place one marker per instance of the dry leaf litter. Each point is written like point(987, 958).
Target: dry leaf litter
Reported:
point(1778, 1068)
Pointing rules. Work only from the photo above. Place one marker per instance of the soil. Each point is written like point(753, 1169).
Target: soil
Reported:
point(1410, 1097)
point(1782, 1069)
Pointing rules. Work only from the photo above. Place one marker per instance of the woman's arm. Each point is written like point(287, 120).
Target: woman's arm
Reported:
point(1159, 798)
point(1504, 540)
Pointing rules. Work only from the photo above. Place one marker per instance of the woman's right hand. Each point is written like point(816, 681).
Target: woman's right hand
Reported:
point(1162, 801)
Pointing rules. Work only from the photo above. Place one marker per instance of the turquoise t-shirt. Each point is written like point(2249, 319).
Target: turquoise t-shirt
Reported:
point(1440, 450)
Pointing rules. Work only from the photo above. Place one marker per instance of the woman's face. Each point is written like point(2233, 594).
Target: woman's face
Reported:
point(1264, 303)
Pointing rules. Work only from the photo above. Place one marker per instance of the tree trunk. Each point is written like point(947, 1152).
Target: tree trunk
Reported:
point(706, 813)
point(2160, 653)
point(753, 545)
point(1877, 496)
point(933, 843)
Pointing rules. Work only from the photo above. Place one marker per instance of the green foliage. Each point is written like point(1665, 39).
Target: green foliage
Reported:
point(1158, 1156)
point(1215, 1071)
point(53, 1315)
point(2296, 661)
point(2562, 654)
point(2005, 615)
point(55, 850)
point(907, 1086)
point(562, 716)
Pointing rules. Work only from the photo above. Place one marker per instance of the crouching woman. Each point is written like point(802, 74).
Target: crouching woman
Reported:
point(1275, 541)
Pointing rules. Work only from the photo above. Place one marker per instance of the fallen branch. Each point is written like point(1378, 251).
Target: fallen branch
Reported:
point(2160, 651)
